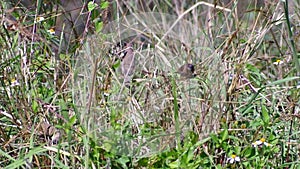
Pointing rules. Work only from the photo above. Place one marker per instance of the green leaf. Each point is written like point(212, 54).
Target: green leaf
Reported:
point(283, 80)
point(225, 146)
point(243, 40)
point(237, 150)
point(265, 114)
point(106, 146)
point(104, 5)
point(214, 138)
point(201, 142)
point(6, 156)
point(20, 162)
point(99, 26)
point(91, 6)
point(190, 155)
point(72, 120)
point(224, 134)
point(34, 106)
point(174, 164)
point(123, 160)
point(248, 152)
point(253, 69)
point(117, 64)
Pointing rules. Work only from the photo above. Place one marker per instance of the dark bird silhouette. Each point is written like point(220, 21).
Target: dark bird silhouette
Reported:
point(187, 71)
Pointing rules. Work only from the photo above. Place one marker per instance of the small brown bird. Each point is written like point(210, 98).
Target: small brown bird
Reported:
point(187, 71)
point(128, 64)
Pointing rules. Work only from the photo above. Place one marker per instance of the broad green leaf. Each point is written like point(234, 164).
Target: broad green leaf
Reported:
point(174, 164)
point(123, 160)
point(104, 5)
point(99, 26)
point(190, 155)
point(248, 152)
point(265, 114)
point(91, 6)
point(224, 134)
point(72, 120)
point(117, 64)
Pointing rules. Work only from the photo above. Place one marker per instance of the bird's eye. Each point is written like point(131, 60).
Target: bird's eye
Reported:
point(122, 54)
point(191, 67)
